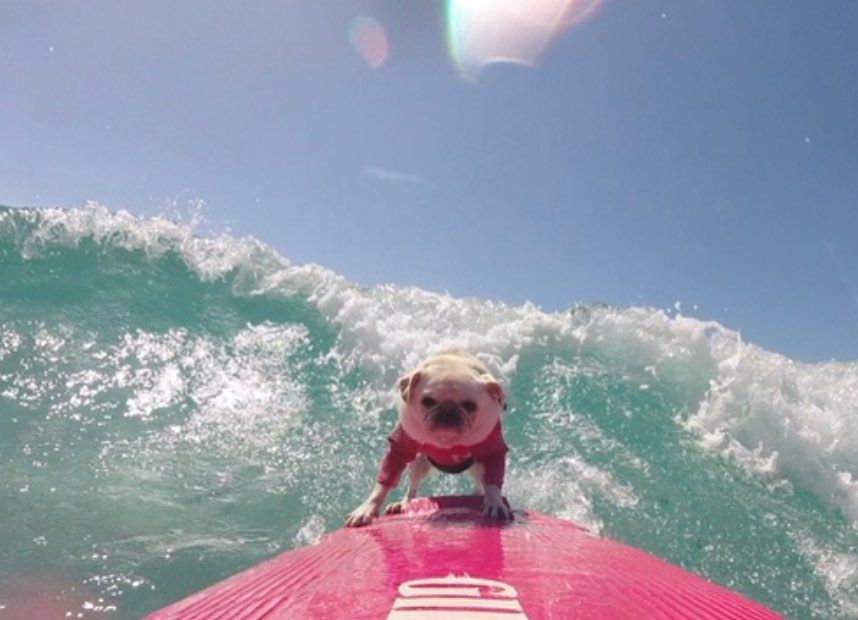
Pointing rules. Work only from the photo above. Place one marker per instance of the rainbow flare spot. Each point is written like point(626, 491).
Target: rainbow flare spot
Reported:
point(369, 39)
point(481, 32)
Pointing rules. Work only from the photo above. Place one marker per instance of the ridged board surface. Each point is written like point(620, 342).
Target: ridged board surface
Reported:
point(441, 560)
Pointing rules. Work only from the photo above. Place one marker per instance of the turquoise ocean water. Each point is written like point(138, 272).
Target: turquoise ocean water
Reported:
point(174, 409)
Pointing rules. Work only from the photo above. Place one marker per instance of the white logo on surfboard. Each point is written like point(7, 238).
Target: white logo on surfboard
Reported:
point(456, 598)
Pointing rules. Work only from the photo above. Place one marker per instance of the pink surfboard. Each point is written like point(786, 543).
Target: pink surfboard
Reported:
point(441, 560)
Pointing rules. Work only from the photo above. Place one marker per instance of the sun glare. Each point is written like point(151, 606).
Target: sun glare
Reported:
point(481, 32)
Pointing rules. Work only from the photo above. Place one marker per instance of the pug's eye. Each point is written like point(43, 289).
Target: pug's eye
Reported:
point(428, 402)
point(469, 406)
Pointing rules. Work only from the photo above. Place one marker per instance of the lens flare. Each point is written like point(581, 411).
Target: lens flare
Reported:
point(368, 38)
point(481, 32)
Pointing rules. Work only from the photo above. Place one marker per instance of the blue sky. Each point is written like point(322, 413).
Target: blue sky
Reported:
point(661, 151)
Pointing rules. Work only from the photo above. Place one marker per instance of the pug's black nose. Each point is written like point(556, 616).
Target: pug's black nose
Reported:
point(447, 415)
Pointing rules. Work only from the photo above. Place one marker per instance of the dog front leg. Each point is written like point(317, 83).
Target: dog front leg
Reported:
point(476, 472)
point(417, 470)
point(368, 510)
point(493, 505)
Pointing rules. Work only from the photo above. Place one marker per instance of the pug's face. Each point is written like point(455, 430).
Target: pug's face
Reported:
point(450, 399)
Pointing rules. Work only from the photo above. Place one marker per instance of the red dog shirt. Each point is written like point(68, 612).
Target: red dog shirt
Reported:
point(490, 453)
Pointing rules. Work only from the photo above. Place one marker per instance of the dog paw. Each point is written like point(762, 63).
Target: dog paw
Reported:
point(494, 506)
point(395, 508)
point(362, 515)
point(497, 511)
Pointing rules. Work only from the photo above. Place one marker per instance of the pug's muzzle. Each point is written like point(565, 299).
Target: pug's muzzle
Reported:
point(446, 416)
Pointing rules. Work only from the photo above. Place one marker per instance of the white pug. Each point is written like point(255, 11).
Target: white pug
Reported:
point(449, 418)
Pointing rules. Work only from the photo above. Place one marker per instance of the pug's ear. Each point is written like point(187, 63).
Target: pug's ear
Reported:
point(407, 385)
point(495, 390)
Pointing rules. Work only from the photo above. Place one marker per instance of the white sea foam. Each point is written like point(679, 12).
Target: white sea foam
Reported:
point(210, 258)
point(311, 532)
point(243, 402)
point(837, 570)
point(566, 487)
point(785, 420)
